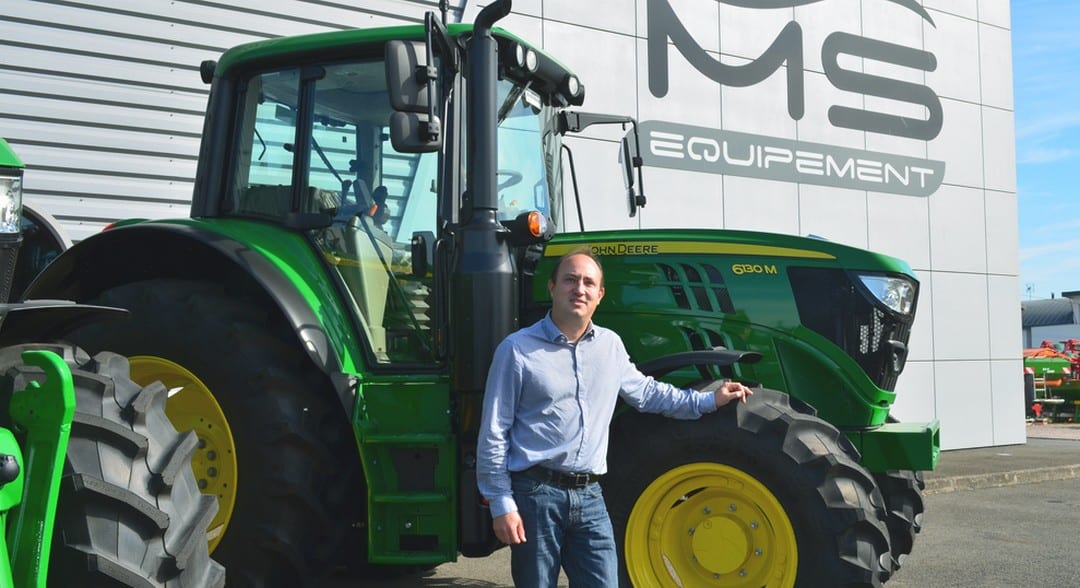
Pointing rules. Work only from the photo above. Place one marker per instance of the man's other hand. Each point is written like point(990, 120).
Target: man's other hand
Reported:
point(509, 528)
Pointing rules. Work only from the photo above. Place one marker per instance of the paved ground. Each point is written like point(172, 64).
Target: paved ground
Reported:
point(1052, 452)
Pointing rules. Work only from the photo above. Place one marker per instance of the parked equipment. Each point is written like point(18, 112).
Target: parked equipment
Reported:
point(85, 451)
point(1051, 391)
point(373, 212)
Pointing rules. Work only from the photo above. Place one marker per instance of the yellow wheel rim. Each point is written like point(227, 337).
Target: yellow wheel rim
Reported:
point(191, 406)
point(707, 524)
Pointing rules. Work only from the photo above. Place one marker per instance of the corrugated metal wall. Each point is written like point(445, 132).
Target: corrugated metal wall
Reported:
point(102, 98)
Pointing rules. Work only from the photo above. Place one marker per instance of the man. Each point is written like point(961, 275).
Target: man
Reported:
point(543, 441)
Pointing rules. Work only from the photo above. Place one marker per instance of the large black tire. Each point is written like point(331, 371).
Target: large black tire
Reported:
point(903, 492)
point(737, 497)
point(129, 511)
point(298, 489)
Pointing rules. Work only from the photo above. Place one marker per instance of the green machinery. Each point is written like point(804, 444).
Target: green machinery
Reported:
point(85, 451)
point(373, 212)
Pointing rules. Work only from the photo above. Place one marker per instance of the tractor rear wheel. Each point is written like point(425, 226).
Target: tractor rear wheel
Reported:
point(284, 460)
point(756, 494)
point(129, 511)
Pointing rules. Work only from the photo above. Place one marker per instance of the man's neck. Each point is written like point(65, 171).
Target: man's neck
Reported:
point(572, 326)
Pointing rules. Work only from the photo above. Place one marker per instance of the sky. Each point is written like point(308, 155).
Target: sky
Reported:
point(1046, 99)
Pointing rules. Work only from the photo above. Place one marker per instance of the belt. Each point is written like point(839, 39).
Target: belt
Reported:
point(562, 479)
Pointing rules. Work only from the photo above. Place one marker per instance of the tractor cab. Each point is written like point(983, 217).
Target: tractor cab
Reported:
point(353, 150)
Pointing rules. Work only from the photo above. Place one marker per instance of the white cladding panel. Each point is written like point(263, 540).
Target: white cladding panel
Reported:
point(103, 101)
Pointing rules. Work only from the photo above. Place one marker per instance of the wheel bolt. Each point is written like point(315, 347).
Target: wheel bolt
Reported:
point(758, 552)
point(708, 510)
point(203, 484)
point(212, 472)
point(742, 573)
point(691, 531)
point(753, 524)
point(211, 455)
point(732, 508)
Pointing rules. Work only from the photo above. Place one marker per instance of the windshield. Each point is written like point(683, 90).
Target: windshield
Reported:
point(529, 175)
point(350, 164)
point(314, 140)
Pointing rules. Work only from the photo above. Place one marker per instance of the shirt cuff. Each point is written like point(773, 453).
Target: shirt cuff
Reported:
point(501, 505)
point(706, 402)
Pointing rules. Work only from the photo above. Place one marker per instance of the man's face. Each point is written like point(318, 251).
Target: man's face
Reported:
point(577, 289)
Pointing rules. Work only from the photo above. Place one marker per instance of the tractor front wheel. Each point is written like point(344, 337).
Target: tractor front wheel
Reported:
point(129, 511)
point(757, 494)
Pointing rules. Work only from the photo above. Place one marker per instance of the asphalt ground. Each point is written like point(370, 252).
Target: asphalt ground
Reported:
point(1052, 452)
point(989, 527)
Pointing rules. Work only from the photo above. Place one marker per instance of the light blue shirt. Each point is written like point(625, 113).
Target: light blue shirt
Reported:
point(549, 402)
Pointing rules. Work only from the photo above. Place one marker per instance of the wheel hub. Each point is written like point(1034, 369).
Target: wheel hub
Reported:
point(720, 545)
point(709, 524)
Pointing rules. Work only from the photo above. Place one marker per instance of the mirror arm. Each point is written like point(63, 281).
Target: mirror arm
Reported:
point(575, 122)
point(573, 181)
point(639, 198)
point(427, 74)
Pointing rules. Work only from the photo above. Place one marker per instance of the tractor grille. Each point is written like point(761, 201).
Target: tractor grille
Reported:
point(832, 305)
point(697, 286)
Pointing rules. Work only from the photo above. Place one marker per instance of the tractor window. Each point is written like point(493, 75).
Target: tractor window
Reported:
point(327, 126)
point(528, 173)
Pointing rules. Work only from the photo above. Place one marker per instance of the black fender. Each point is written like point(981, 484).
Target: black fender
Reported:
point(722, 358)
point(43, 239)
point(48, 320)
point(145, 251)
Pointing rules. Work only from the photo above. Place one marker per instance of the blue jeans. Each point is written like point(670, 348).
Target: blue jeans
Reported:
point(564, 527)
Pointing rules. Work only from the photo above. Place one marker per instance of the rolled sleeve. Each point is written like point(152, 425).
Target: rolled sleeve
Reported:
point(648, 394)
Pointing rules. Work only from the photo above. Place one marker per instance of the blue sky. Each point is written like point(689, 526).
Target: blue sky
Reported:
point(1046, 81)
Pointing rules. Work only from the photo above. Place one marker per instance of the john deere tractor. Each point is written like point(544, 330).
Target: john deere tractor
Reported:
point(374, 210)
point(96, 487)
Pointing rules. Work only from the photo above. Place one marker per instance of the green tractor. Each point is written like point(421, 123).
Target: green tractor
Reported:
point(373, 212)
point(95, 483)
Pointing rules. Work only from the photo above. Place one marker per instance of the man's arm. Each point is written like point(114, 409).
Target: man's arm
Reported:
point(650, 395)
point(493, 445)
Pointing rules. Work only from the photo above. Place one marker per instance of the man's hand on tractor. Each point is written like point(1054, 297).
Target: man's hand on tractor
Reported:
point(725, 391)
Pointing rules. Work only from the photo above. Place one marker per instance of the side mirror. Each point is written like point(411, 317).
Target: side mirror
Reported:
point(422, 247)
point(412, 82)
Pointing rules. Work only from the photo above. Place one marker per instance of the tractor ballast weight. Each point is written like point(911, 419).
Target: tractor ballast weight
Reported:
point(373, 211)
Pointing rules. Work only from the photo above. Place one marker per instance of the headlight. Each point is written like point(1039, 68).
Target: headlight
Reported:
point(10, 203)
point(897, 293)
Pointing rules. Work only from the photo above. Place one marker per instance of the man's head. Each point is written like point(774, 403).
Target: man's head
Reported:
point(576, 286)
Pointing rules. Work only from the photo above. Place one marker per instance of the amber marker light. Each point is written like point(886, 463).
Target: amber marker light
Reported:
point(537, 223)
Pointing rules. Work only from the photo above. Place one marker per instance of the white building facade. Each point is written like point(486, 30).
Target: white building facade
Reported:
point(883, 124)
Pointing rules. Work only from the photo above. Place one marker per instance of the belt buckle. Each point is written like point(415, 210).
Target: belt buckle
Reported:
point(573, 480)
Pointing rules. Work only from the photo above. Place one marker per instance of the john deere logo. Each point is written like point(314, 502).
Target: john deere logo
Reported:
point(710, 150)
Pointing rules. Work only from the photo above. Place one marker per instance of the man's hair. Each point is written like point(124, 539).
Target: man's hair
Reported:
point(587, 252)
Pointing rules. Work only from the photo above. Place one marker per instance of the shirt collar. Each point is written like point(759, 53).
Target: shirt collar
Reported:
point(553, 334)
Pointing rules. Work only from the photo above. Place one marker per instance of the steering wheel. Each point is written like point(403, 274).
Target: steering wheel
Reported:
point(513, 178)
